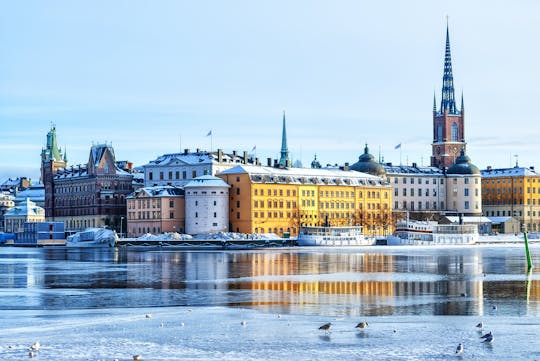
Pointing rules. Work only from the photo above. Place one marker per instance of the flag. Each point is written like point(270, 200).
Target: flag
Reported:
point(254, 147)
point(209, 133)
point(397, 146)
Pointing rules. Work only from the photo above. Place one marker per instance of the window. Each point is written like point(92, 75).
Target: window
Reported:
point(215, 214)
point(404, 191)
point(237, 204)
point(170, 174)
point(466, 204)
point(238, 179)
point(466, 180)
point(150, 176)
point(454, 132)
point(439, 133)
point(466, 192)
point(184, 174)
point(237, 191)
point(160, 175)
point(215, 203)
point(171, 215)
point(194, 174)
point(196, 214)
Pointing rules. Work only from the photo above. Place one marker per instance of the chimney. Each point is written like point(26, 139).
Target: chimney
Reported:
point(275, 163)
point(234, 153)
point(269, 162)
point(245, 157)
point(414, 165)
point(288, 163)
point(346, 167)
point(198, 151)
point(186, 151)
point(220, 155)
point(489, 168)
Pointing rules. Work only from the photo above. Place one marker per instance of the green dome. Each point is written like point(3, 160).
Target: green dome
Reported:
point(463, 165)
point(367, 164)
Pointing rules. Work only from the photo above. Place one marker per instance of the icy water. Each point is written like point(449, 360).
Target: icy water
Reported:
point(419, 302)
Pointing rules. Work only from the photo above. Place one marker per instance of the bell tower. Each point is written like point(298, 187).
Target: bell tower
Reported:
point(51, 160)
point(448, 120)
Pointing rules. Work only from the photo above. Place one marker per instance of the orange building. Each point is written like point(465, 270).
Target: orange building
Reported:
point(280, 200)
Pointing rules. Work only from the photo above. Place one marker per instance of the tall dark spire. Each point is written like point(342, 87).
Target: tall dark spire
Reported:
point(434, 103)
point(284, 154)
point(448, 101)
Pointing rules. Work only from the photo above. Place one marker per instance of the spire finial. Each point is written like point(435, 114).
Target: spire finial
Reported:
point(434, 102)
point(462, 103)
point(284, 156)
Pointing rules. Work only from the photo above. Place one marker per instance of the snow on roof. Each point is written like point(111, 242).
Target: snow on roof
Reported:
point(200, 157)
point(509, 172)
point(407, 169)
point(158, 191)
point(206, 181)
point(26, 208)
point(469, 219)
point(35, 193)
point(260, 174)
point(499, 219)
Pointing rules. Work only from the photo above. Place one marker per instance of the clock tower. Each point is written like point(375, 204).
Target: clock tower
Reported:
point(448, 121)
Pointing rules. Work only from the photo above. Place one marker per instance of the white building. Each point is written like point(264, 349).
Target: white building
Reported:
point(177, 169)
point(207, 205)
point(26, 211)
point(464, 187)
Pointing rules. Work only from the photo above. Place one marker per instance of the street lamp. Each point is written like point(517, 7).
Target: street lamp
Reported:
point(121, 222)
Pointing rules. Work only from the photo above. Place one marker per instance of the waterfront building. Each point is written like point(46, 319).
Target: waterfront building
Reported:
point(280, 200)
point(512, 192)
point(35, 192)
point(177, 169)
point(41, 233)
point(26, 211)
point(14, 186)
point(448, 120)
point(464, 187)
point(155, 210)
point(207, 205)
point(90, 195)
point(6, 203)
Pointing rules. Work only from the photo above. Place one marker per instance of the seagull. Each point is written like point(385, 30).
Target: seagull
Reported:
point(488, 338)
point(182, 324)
point(136, 357)
point(278, 316)
point(31, 354)
point(494, 308)
point(480, 325)
point(362, 324)
point(326, 327)
point(35, 346)
point(243, 323)
point(487, 335)
point(161, 325)
point(459, 349)
point(463, 295)
point(148, 315)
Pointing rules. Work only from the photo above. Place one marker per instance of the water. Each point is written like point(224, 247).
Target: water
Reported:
point(419, 302)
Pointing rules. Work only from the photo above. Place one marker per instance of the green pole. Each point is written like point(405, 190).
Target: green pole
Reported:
point(529, 261)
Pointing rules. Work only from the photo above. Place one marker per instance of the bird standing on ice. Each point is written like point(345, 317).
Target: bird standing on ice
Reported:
point(326, 327)
point(459, 349)
point(362, 324)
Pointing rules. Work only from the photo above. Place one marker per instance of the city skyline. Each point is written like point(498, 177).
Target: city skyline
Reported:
point(157, 79)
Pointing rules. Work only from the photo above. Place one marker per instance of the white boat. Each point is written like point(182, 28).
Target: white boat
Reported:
point(333, 237)
point(432, 233)
point(93, 237)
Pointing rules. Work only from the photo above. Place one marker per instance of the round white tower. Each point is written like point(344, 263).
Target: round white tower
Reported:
point(207, 205)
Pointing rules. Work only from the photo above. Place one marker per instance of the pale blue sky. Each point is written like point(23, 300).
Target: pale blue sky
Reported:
point(145, 74)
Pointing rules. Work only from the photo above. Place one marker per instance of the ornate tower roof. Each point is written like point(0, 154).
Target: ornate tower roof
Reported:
point(51, 151)
point(284, 154)
point(448, 101)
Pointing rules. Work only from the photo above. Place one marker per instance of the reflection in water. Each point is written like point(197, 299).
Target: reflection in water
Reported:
point(379, 281)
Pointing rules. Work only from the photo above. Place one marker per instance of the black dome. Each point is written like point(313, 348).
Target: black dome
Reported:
point(367, 164)
point(463, 165)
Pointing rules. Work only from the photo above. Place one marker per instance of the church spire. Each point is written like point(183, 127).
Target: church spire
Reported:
point(434, 103)
point(448, 101)
point(284, 156)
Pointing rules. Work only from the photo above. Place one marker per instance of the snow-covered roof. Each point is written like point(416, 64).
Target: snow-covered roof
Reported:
point(499, 219)
point(469, 219)
point(10, 183)
point(26, 208)
point(509, 172)
point(206, 181)
point(260, 174)
point(35, 193)
point(392, 170)
point(157, 191)
point(199, 157)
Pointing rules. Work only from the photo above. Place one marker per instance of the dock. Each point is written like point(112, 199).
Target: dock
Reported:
point(208, 244)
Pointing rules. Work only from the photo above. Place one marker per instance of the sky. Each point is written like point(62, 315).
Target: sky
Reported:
point(154, 77)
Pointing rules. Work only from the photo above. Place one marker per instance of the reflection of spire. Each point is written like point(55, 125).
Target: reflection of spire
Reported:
point(284, 157)
point(448, 102)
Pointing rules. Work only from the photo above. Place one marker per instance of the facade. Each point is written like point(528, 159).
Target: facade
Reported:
point(14, 186)
point(26, 211)
point(177, 169)
point(36, 193)
point(464, 187)
point(91, 195)
point(278, 200)
point(512, 192)
point(417, 189)
point(42, 233)
point(448, 120)
point(207, 205)
point(155, 210)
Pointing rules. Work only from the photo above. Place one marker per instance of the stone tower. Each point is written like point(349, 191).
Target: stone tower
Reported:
point(51, 160)
point(448, 121)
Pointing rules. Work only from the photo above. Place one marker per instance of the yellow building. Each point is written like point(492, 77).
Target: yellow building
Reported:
point(280, 200)
point(512, 192)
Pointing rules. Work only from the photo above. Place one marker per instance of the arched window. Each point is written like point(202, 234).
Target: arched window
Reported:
point(454, 132)
point(439, 133)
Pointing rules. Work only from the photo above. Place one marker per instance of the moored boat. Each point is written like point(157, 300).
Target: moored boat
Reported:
point(93, 237)
point(333, 237)
point(432, 233)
